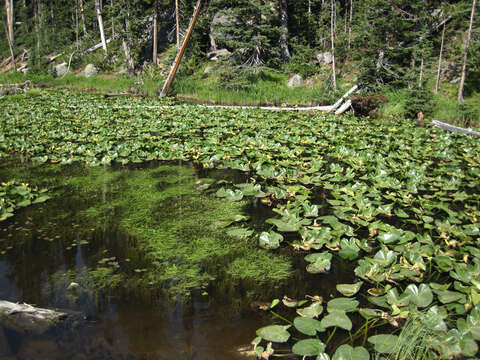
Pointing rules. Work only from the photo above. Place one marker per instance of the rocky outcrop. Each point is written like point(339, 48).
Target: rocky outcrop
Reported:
point(294, 81)
point(60, 70)
point(90, 70)
point(325, 58)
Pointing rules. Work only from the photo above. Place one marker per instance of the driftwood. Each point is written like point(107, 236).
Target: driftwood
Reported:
point(346, 105)
point(25, 318)
point(95, 47)
point(106, 96)
point(342, 99)
point(456, 129)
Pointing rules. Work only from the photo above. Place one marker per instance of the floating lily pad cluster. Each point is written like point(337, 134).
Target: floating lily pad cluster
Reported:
point(400, 202)
point(15, 195)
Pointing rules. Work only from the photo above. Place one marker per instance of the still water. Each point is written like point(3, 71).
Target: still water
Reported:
point(132, 301)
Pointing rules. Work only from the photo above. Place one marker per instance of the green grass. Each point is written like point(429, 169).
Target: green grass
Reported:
point(102, 83)
point(268, 89)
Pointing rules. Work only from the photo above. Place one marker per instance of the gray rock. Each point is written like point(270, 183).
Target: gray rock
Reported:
point(214, 55)
point(294, 81)
point(90, 70)
point(455, 81)
point(325, 58)
point(60, 70)
point(208, 69)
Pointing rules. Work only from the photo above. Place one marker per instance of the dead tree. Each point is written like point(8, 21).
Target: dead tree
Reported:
point(98, 9)
point(465, 54)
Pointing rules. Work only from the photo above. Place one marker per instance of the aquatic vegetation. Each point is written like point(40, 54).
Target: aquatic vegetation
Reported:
point(400, 202)
point(15, 195)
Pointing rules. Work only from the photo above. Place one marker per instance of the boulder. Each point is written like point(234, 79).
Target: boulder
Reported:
point(126, 72)
point(215, 54)
point(60, 70)
point(90, 70)
point(294, 81)
point(325, 58)
point(208, 69)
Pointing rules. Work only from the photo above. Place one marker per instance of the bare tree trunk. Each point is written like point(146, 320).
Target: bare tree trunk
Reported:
point(350, 25)
point(284, 36)
point(177, 21)
point(422, 67)
point(9, 30)
point(439, 71)
point(82, 15)
point(113, 20)
point(332, 37)
point(98, 9)
point(12, 54)
point(76, 25)
point(155, 29)
point(465, 54)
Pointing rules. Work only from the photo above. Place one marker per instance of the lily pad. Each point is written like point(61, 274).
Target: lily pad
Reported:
point(349, 289)
point(307, 326)
point(320, 262)
point(308, 347)
point(270, 240)
point(383, 343)
point(274, 333)
point(338, 319)
point(342, 304)
point(312, 311)
point(347, 352)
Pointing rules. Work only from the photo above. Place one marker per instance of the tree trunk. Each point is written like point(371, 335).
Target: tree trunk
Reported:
point(177, 21)
point(350, 25)
point(420, 79)
point(439, 71)
point(98, 9)
point(113, 20)
point(332, 37)
point(9, 30)
point(155, 29)
point(82, 15)
point(283, 6)
point(76, 25)
point(465, 54)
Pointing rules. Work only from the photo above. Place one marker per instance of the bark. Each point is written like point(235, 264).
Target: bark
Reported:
point(155, 29)
point(25, 318)
point(180, 53)
point(9, 30)
point(98, 9)
point(332, 36)
point(420, 79)
point(113, 21)
point(177, 22)
point(76, 25)
point(94, 47)
point(465, 54)
point(439, 70)
point(456, 129)
point(350, 25)
point(82, 16)
point(284, 36)
point(128, 56)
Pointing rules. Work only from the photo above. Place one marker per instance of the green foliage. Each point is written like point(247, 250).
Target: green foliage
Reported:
point(15, 195)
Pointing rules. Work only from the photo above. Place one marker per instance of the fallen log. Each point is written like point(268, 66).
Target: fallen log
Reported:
point(106, 96)
point(456, 129)
point(344, 107)
point(95, 47)
point(26, 318)
point(341, 100)
point(6, 61)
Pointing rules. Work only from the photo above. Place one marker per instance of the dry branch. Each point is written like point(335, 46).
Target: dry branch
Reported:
point(456, 129)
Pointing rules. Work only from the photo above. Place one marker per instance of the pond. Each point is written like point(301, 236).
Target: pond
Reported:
point(144, 253)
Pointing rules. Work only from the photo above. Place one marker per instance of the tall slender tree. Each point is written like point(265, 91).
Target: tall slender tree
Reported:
point(332, 38)
point(439, 69)
point(98, 9)
point(283, 8)
point(465, 54)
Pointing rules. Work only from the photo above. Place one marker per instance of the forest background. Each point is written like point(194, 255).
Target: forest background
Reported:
point(406, 56)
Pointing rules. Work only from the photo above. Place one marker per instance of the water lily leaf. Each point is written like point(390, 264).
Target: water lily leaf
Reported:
point(349, 289)
point(342, 304)
point(229, 194)
point(312, 311)
point(275, 333)
point(447, 296)
point(319, 262)
point(383, 343)
point(347, 352)
point(421, 296)
point(270, 240)
point(322, 356)
point(307, 326)
point(338, 319)
point(390, 237)
point(240, 233)
point(308, 347)
point(385, 257)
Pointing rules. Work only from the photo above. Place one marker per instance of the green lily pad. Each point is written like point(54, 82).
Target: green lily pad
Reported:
point(274, 333)
point(307, 326)
point(312, 311)
point(270, 240)
point(347, 352)
point(308, 347)
point(320, 262)
point(338, 319)
point(383, 343)
point(240, 233)
point(421, 296)
point(349, 289)
point(342, 304)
